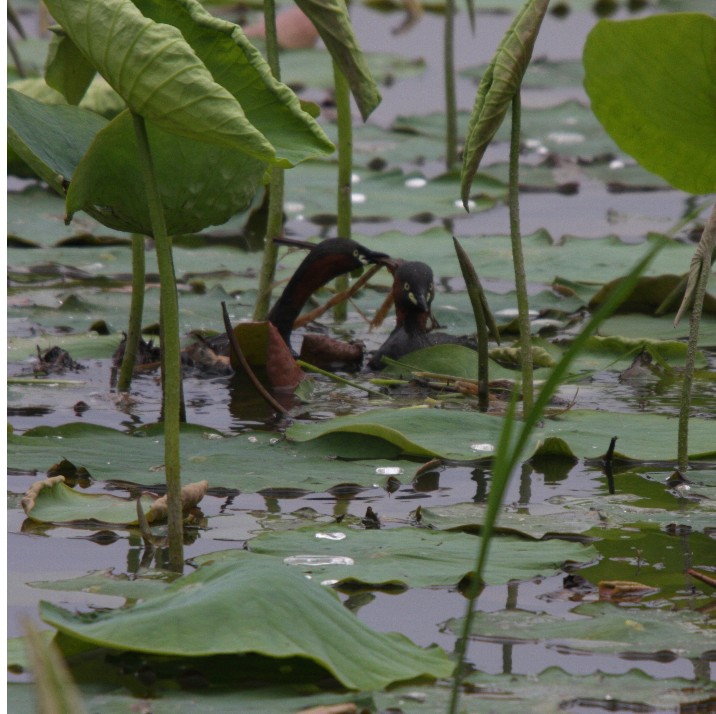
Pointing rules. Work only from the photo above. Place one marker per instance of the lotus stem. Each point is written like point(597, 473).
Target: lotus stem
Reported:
point(171, 377)
point(274, 223)
point(344, 205)
point(450, 95)
point(136, 310)
point(701, 263)
point(518, 260)
point(477, 299)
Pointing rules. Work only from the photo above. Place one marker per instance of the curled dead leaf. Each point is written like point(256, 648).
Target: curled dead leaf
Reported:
point(623, 590)
point(191, 495)
point(345, 708)
point(28, 500)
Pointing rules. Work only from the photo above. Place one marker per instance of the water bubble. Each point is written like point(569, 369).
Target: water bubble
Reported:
point(211, 437)
point(318, 560)
point(482, 448)
point(355, 178)
point(389, 471)
point(331, 536)
point(274, 440)
point(293, 207)
point(329, 583)
point(358, 198)
point(416, 182)
point(253, 440)
point(470, 204)
point(616, 164)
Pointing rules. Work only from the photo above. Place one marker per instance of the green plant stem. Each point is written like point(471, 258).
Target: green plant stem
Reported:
point(171, 348)
point(274, 223)
point(705, 251)
point(510, 448)
point(477, 299)
point(450, 95)
point(345, 172)
point(341, 380)
point(523, 308)
point(136, 310)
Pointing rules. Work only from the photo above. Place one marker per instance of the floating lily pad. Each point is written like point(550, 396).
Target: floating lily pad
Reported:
point(415, 557)
point(181, 621)
point(448, 434)
point(107, 583)
point(553, 690)
point(249, 462)
point(604, 628)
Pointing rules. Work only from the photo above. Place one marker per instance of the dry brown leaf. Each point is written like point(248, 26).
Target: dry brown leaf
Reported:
point(346, 708)
point(191, 495)
point(281, 368)
point(28, 500)
point(623, 590)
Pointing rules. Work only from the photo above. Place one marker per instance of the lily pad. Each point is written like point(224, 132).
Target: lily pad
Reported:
point(659, 112)
point(250, 462)
point(553, 690)
point(604, 627)
point(107, 583)
point(415, 557)
point(181, 622)
point(420, 431)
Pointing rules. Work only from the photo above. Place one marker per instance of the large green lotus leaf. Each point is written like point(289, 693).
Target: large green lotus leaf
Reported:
point(158, 74)
point(254, 600)
point(37, 215)
point(591, 261)
point(453, 360)
point(270, 106)
point(604, 627)
point(61, 504)
point(534, 520)
point(375, 194)
point(651, 84)
point(250, 462)
point(616, 352)
point(565, 514)
point(331, 19)
point(653, 555)
point(553, 690)
point(100, 696)
point(448, 434)
point(102, 582)
point(200, 184)
point(67, 70)
point(80, 346)
point(646, 327)
point(66, 309)
point(416, 557)
point(51, 138)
